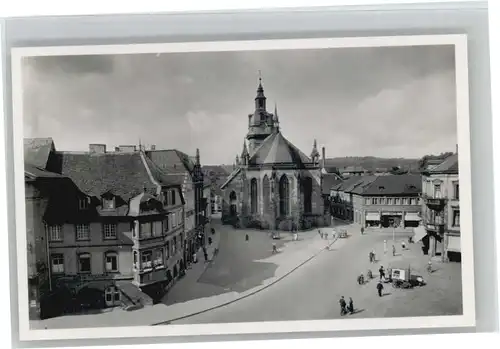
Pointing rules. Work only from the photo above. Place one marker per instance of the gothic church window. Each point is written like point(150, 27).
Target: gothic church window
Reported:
point(253, 196)
point(307, 187)
point(266, 193)
point(284, 191)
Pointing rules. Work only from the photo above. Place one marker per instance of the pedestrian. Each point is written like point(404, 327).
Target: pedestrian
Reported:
point(385, 246)
point(213, 231)
point(205, 255)
point(403, 245)
point(343, 309)
point(370, 256)
point(275, 249)
point(380, 287)
point(362, 230)
point(350, 307)
point(381, 272)
point(195, 259)
point(247, 237)
point(374, 256)
point(393, 250)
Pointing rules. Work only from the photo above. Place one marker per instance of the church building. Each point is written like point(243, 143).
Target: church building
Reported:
point(274, 185)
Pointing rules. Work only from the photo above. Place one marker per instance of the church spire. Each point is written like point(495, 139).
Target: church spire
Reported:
point(244, 154)
point(260, 99)
point(276, 121)
point(315, 152)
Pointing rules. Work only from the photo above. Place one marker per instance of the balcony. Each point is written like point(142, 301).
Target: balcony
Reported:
point(434, 203)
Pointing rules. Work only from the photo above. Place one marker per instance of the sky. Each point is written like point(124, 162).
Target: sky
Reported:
point(386, 101)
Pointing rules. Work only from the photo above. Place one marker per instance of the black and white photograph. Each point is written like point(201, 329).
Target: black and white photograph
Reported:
point(243, 187)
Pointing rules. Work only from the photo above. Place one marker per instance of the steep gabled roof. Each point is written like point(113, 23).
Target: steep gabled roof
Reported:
point(329, 181)
point(122, 174)
point(448, 166)
point(406, 184)
point(171, 160)
point(276, 149)
point(37, 151)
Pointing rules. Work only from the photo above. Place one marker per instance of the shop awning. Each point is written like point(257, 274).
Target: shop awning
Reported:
point(412, 216)
point(419, 233)
point(454, 244)
point(372, 216)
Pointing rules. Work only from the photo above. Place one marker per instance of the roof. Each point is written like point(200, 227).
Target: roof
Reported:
point(215, 169)
point(329, 180)
point(32, 172)
point(353, 169)
point(448, 165)
point(406, 184)
point(37, 151)
point(230, 178)
point(122, 174)
point(162, 177)
point(347, 183)
point(171, 160)
point(276, 149)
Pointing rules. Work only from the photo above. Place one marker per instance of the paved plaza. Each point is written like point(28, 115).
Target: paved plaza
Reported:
point(312, 292)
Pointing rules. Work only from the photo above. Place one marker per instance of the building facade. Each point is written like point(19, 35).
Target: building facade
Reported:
point(117, 230)
point(378, 201)
point(441, 209)
point(275, 185)
point(177, 164)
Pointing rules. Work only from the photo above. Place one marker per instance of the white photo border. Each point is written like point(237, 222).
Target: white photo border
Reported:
point(467, 319)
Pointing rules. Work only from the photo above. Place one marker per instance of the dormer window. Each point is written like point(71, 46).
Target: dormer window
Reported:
point(83, 203)
point(108, 203)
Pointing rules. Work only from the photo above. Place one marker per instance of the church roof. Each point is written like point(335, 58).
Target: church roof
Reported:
point(276, 149)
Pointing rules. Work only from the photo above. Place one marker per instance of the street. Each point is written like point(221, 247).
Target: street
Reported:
point(312, 292)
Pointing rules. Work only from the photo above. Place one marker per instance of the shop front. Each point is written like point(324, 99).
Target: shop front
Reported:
point(412, 219)
point(391, 219)
point(453, 249)
point(372, 219)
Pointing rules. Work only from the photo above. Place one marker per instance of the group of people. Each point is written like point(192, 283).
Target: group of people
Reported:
point(346, 308)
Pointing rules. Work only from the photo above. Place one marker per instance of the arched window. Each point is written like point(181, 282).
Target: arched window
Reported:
point(266, 193)
point(284, 191)
point(307, 188)
point(253, 196)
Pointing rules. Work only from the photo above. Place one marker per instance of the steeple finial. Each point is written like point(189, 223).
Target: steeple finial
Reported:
point(315, 153)
point(260, 77)
point(197, 156)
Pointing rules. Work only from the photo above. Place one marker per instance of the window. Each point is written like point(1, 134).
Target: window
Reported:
point(158, 257)
point(82, 232)
point(57, 263)
point(109, 230)
point(135, 260)
point(111, 262)
point(83, 204)
point(389, 201)
point(367, 201)
point(55, 232)
point(456, 218)
point(165, 224)
point(174, 222)
point(145, 230)
point(382, 201)
point(174, 245)
point(172, 192)
point(284, 196)
point(308, 190)
point(396, 201)
point(108, 204)
point(404, 201)
point(375, 201)
point(165, 198)
point(437, 191)
point(412, 201)
point(253, 196)
point(84, 265)
point(456, 191)
point(417, 200)
point(167, 250)
point(158, 228)
point(146, 257)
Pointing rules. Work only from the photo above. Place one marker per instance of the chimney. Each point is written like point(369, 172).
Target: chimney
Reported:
point(97, 148)
point(323, 157)
point(127, 148)
point(153, 147)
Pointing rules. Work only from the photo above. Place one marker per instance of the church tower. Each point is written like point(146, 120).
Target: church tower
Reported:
point(261, 123)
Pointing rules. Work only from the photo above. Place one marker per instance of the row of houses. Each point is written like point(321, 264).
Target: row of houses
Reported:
point(124, 223)
point(428, 201)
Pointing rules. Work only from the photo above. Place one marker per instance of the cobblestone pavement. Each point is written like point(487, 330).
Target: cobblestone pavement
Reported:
point(312, 292)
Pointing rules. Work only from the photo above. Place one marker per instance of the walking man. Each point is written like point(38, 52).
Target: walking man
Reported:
point(343, 309)
point(351, 306)
point(380, 287)
point(393, 250)
point(381, 272)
